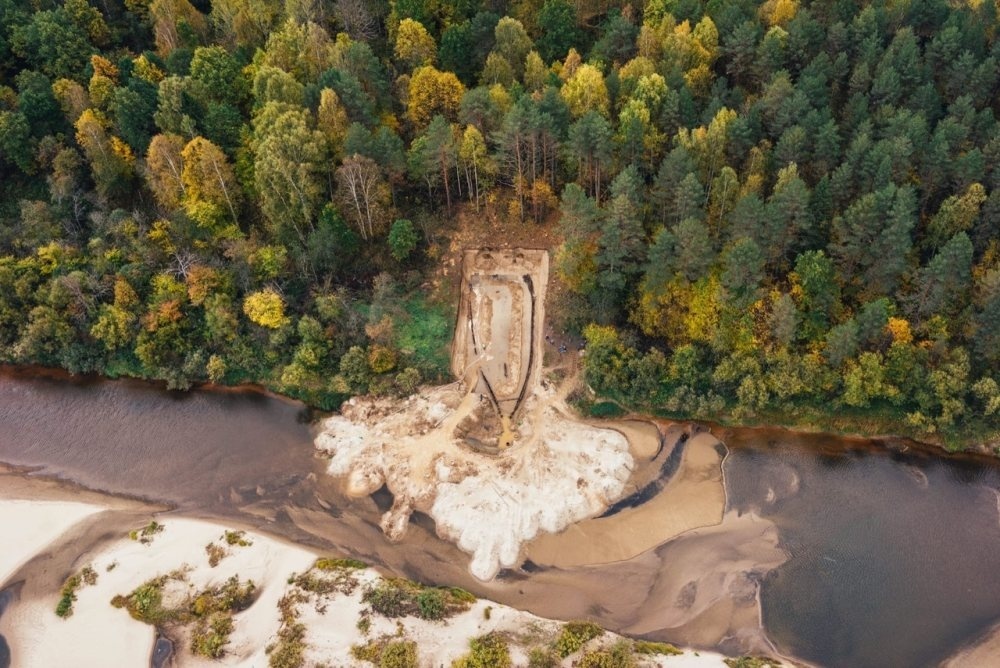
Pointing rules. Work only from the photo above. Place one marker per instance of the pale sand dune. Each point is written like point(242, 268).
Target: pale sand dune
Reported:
point(30, 526)
point(97, 634)
point(694, 497)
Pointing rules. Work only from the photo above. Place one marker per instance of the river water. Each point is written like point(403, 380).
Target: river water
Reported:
point(893, 556)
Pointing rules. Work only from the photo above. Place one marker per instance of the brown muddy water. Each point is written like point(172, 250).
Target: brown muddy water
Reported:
point(893, 557)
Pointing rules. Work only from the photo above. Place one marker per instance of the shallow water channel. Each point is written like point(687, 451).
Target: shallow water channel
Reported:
point(893, 555)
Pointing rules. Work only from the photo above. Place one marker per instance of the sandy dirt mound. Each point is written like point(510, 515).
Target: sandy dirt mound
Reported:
point(490, 505)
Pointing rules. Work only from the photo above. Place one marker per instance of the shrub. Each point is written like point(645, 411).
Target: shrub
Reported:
point(215, 554)
point(396, 597)
point(211, 610)
point(399, 654)
point(387, 598)
point(87, 576)
point(145, 603)
point(209, 639)
point(542, 657)
point(649, 647)
point(395, 654)
point(619, 655)
point(575, 635)
point(65, 606)
point(402, 239)
point(431, 604)
point(370, 651)
point(237, 538)
point(330, 564)
point(146, 533)
point(488, 651)
point(289, 651)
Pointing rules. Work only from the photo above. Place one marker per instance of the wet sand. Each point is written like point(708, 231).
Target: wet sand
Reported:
point(693, 497)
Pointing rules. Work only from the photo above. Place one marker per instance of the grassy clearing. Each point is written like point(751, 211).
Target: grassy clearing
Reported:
point(424, 333)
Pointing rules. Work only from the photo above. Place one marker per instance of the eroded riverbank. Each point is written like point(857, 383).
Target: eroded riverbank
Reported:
point(114, 435)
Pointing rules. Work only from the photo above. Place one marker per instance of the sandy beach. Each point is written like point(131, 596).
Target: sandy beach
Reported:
point(31, 526)
point(97, 633)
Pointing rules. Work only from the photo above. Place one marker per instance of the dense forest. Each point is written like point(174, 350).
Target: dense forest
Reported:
point(773, 208)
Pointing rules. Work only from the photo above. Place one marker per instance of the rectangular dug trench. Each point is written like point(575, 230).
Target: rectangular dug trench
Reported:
point(497, 350)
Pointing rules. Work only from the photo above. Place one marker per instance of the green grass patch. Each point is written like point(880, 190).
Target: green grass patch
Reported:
point(605, 409)
point(423, 333)
point(751, 662)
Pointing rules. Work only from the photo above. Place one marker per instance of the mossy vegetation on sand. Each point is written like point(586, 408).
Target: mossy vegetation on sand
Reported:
point(397, 597)
point(207, 614)
point(67, 595)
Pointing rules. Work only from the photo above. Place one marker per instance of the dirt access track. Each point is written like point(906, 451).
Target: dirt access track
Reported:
point(497, 349)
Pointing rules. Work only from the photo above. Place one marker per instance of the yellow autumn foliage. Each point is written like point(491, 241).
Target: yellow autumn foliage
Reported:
point(265, 308)
point(778, 12)
point(433, 92)
point(899, 329)
point(414, 45)
point(586, 91)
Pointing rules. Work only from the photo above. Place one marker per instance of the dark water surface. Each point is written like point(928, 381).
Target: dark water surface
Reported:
point(6, 596)
point(895, 558)
point(189, 448)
